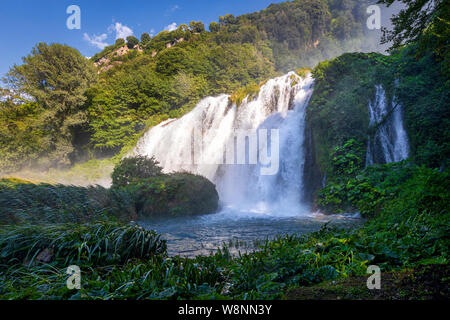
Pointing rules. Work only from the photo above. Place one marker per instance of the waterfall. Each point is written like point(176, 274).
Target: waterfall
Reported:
point(254, 152)
point(390, 142)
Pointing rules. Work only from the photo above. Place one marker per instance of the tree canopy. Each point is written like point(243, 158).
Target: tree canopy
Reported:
point(53, 79)
point(416, 19)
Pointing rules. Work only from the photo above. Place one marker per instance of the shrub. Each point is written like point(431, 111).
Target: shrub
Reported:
point(132, 170)
point(179, 194)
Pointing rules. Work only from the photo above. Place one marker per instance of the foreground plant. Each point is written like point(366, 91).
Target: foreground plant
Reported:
point(66, 244)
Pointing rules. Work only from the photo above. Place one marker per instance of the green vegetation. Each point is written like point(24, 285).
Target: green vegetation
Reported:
point(410, 231)
point(100, 244)
point(56, 111)
point(174, 71)
point(161, 195)
point(250, 92)
point(302, 33)
point(140, 191)
point(420, 21)
point(422, 283)
point(132, 170)
point(23, 202)
point(423, 89)
point(45, 107)
point(176, 195)
point(338, 112)
point(132, 41)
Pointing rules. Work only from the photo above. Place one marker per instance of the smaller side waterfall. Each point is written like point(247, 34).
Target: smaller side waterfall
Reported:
point(389, 143)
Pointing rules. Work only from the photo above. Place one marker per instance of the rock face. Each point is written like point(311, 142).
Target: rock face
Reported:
point(312, 176)
point(106, 63)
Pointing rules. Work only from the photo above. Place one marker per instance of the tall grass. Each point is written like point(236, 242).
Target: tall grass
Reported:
point(41, 204)
point(66, 244)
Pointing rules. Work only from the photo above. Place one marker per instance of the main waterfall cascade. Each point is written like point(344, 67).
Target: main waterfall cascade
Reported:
point(390, 142)
point(281, 105)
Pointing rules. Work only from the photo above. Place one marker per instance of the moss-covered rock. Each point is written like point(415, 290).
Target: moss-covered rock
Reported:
point(175, 195)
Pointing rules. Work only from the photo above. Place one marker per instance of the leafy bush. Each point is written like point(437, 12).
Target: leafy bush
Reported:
point(135, 169)
point(162, 195)
point(380, 188)
point(179, 194)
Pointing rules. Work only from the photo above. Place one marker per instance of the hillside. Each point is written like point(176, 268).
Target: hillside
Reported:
point(141, 83)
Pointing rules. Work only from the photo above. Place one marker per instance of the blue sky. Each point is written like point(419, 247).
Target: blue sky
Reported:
point(23, 23)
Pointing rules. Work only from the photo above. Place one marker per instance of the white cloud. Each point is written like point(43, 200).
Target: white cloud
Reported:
point(171, 27)
point(152, 32)
point(172, 10)
point(97, 41)
point(122, 32)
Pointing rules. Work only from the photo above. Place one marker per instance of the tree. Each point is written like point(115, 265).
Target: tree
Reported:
point(183, 28)
point(197, 26)
point(414, 20)
point(119, 42)
point(214, 27)
point(229, 19)
point(55, 77)
point(132, 41)
point(145, 38)
point(171, 61)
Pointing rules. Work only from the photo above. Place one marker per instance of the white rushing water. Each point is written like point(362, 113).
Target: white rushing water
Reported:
point(390, 142)
point(268, 175)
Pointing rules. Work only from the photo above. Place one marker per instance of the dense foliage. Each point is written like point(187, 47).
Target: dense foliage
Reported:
point(339, 115)
point(338, 111)
point(44, 107)
point(24, 202)
point(410, 230)
point(418, 18)
point(175, 195)
point(68, 244)
point(161, 195)
point(132, 169)
point(302, 33)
